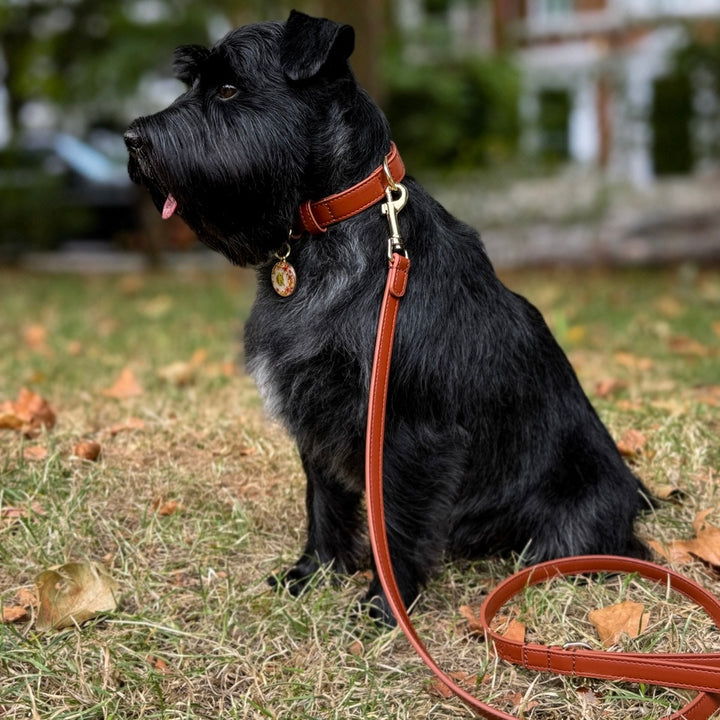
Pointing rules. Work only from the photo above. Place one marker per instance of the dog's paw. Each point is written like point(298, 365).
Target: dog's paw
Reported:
point(297, 579)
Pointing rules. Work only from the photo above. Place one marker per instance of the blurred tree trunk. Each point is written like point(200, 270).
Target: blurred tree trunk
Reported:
point(370, 19)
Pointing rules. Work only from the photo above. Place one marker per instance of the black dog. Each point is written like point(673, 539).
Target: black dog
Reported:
point(491, 444)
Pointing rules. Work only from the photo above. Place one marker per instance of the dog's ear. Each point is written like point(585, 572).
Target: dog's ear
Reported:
point(310, 45)
point(187, 61)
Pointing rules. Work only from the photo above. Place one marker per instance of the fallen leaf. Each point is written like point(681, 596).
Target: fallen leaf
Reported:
point(158, 664)
point(683, 345)
point(36, 452)
point(588, 695)
point(129, 425)
point(28, 414)
point(625, 618)
point(165, 507)
point(14, 513)
point(14, 613)
point(126, 386)
point(87, 450)
point(472, 614)
point(26, 598)
point(356, 648)
point(178, 373)
point(72, 594)
point(633, 362)
point(705, 545)
point(438, 688)
point(672, 553)
point(515, 631)
point(74, 348)
point(609, 386)
point(35, 336)
point(631, 444)
point(709, 395)
point(517, 700)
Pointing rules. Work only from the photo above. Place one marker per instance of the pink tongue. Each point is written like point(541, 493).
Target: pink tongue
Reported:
point(169, 207)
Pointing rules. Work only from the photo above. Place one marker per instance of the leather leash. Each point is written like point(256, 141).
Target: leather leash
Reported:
point(695, 671)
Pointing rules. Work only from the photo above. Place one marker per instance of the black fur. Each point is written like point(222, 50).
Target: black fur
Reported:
point(492, 446)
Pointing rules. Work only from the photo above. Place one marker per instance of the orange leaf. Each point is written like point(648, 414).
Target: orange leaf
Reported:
point(170, 507)
point(132, 424)
point(674, 553)
point(440, 689)
point(515, 631)
point(21, 512)
point(29, 413)
point(472, 614)
point(683, 345)
point(34, 336)
point(14, 613)
point(633, 362)
point(36, 452)
point(126, 386)
point(609, 386)
point(704, 546)
point(611, 622)
point(631, 444)
point(87, 450)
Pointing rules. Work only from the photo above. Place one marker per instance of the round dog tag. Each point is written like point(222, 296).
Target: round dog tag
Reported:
point(283, 278)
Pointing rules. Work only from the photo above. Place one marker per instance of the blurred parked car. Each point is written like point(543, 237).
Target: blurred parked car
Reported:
point(55, 187)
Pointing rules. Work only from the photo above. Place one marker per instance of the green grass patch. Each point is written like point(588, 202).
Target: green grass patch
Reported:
point(198, 633)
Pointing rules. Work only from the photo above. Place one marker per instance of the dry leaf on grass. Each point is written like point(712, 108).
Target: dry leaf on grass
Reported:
point(613, 621)
point(472, 614)
point(683, 345)
point(631, 444)
point(633, 362)
point(87, 450)
point(438, 688)
point(705, 545)
point(129, 425)
point(168, 507)
point(12, 514)
point(36, 452)
point(28, 414)
point(609, 386)
point(183, 373)
point(25, 600)
point(126, 386)
point(35, 336)
point(14, 613)
point(72, 594)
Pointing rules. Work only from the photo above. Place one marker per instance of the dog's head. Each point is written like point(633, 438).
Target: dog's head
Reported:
point(266, 118)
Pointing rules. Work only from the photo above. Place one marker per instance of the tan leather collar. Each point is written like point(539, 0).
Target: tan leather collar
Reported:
point(315, 217)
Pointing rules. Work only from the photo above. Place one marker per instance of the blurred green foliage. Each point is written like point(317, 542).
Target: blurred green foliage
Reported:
point(454, 113)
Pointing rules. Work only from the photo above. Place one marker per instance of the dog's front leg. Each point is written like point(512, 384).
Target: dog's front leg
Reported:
point(334, 535)
point(418, 490)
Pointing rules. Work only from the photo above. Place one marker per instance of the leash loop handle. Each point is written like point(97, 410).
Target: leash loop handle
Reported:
point(697, 671)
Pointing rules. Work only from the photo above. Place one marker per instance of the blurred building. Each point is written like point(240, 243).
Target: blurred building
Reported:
point(599, 87)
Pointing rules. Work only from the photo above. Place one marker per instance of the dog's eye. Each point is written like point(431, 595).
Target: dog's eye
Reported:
point(227, 91)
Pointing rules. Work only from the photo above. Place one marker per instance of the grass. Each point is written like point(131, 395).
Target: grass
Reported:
point(198, 633)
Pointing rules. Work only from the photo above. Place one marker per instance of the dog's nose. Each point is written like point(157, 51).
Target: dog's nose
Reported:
point(133, 140)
